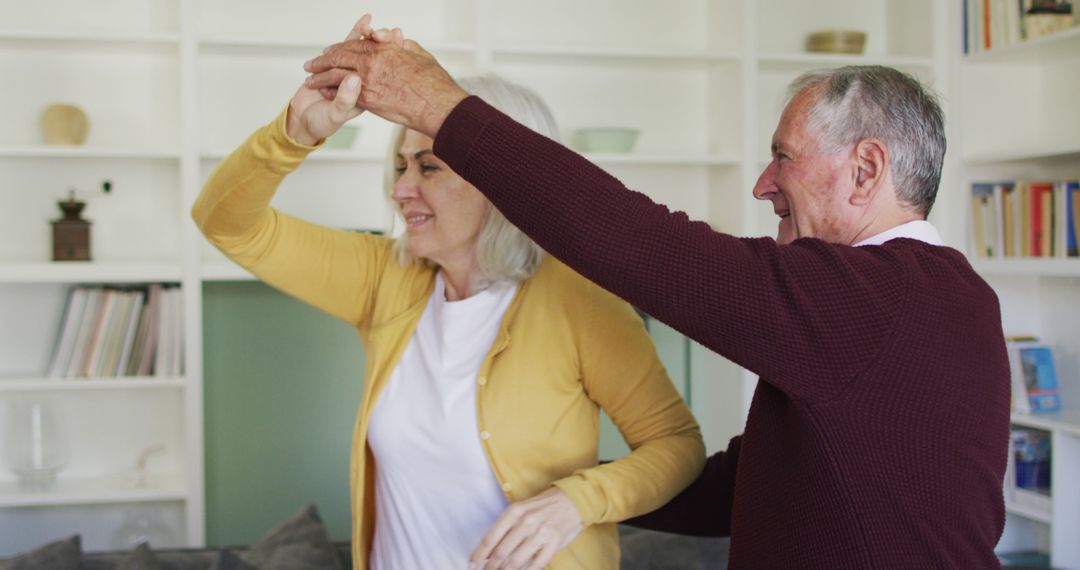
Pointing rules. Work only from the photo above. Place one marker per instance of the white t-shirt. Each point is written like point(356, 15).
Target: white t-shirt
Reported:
point(435, 494)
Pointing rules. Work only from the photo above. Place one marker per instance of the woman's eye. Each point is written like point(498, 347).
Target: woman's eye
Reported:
point(428, 168)
point(400, 170)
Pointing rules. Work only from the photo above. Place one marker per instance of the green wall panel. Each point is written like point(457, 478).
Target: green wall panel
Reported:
point(282, 383)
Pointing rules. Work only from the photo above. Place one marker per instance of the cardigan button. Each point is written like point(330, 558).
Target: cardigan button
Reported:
point(506, 487)
point(482, 380)
point(485, 435)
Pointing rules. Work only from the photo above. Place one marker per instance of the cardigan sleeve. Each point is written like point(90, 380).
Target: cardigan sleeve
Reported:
point(621, 372)
point(809, 316)
point(703, 508)
point(334, 270)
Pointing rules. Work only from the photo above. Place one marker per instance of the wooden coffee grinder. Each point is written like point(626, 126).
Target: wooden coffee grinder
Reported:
point(71, 233)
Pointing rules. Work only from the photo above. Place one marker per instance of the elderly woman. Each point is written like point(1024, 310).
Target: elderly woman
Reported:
point(487, 362)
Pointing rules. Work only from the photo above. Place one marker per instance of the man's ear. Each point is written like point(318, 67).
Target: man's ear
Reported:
point(871, 169)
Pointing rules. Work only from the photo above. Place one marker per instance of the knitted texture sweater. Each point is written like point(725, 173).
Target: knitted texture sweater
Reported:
point(878, 433)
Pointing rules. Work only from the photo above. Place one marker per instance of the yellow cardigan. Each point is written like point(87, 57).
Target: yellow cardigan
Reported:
point(565, 349)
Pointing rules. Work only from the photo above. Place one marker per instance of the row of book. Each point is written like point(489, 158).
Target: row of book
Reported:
point(991, 24)
point(1034, 376)
point(1027, 476)
point(1025, 219)
point(112, 331)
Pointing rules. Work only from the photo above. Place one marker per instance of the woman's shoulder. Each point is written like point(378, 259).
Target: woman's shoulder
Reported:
point(556, 278)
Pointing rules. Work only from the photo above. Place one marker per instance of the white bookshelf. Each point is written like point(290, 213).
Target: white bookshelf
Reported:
point(172, 86)
point(1005, 138)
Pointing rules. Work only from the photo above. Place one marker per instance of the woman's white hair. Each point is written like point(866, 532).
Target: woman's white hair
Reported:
point(503, 252)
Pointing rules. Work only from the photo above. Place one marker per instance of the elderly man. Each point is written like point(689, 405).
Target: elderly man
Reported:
point(878, 432)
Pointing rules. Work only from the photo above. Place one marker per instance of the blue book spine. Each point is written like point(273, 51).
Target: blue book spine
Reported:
point(1040, 379)
point(1072, 209)
point(966, 17)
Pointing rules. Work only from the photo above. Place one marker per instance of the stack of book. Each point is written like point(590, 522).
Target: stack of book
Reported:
point(1025, 219)
point(992, 24)
point(108, 332)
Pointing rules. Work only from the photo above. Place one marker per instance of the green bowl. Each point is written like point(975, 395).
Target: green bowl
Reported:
point(607, 139)
point(343, 138)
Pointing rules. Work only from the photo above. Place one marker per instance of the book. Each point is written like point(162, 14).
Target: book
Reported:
point(130, 330)
point(86, 330)
point(95, 347)
point(983, 218)
point(69, 329)
point(149, 345)
point(1042, 212)
point(1007, 197)
point(1034, 378)
point(1072, 209)
point(1039, 377)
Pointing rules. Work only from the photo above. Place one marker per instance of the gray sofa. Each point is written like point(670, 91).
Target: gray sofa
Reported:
point(302, 543)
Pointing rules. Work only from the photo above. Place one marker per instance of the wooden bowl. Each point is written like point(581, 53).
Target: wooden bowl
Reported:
point(837, 41)
point(64, 124)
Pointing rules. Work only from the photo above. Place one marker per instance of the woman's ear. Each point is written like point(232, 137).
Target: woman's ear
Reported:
point(871, 170)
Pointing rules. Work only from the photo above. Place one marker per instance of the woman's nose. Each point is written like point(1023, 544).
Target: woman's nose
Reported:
point(404, 188)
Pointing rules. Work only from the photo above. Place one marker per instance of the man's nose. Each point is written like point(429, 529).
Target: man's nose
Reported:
point(766, 183)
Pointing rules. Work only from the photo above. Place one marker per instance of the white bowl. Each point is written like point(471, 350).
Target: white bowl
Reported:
point(607, 139)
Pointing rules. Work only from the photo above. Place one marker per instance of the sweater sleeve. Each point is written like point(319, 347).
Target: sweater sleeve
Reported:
point(703, 508)
point(621, 372)
point(334, 270)
point(808, 316)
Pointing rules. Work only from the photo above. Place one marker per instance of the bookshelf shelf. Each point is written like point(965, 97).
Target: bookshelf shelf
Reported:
point(93, 491)
point(42, 151)
point(1038, 515)
point(89, 272)
point(829, 60)
point(1018, 154)
point(627, 55)
point(1066, 421)
point(103, 40)
point(224, 271)
point(1038, 267)
point(123, 383)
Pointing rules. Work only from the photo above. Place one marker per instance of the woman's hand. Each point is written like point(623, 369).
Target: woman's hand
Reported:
point(529, 533)
point(312, 117)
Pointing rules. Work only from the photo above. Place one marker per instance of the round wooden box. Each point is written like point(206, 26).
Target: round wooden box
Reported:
point(64, 124)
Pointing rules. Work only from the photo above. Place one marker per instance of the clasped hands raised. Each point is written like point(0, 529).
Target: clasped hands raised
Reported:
point(377, 71)
point(382, 72)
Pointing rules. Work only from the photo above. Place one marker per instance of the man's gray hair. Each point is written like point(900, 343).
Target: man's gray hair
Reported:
point(871, 101)
point(503, 252)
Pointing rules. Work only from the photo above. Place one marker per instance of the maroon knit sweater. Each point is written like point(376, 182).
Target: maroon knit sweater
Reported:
point(878, 433)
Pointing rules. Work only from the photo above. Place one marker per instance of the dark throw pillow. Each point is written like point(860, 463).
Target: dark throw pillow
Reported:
point(299, 543)
point(142, 558)
point(63, 554)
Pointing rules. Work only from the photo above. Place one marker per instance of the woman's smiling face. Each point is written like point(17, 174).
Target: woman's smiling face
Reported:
point(443, 213)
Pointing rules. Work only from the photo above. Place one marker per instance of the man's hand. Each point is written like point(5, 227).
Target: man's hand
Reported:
point(311, 118)
point(401, 82)
point(529, 533)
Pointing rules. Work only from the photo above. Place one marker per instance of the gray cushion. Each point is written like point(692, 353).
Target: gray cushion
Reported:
point(652, 550)
point(299, 543)
point(142, 558)
point(63, 554)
